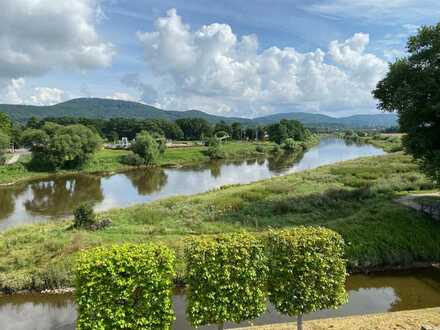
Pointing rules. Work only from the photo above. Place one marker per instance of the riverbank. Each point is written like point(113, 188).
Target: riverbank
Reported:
point(406, 320)
point(355, 198)
point(109, 161)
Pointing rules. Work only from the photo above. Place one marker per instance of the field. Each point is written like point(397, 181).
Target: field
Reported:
point(355, 198)
point(110, 160)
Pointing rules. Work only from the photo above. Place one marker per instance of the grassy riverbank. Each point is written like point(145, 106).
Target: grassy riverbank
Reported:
point(355, 198)
point(110, 160)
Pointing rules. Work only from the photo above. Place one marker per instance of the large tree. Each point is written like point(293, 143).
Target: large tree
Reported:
point(412, 89)
point(59, 146)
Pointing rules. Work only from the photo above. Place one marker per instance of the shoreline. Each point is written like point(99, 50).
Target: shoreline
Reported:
point(180, 283)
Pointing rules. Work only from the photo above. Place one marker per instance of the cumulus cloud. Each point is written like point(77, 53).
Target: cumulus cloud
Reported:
point(147, 93)
point(220, 70)
point(122, 96)
point(16, 93)
point(47, 96)
point(39, 35)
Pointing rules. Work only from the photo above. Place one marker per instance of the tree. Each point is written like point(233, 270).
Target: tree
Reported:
point(57, 146)
point(125, 287)
point(194, 128)
point(290, 145)
point(5, 123)
point(226, 276)
point(4, 144)
point(412, 89)
point(214, 150)
point(146, 147)
point(307, 271)
point(287, 129)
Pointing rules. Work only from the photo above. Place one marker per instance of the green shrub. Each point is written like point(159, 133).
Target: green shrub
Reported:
point(132, 160)
point(290, 144)
point(84, 216)
point(259, 148)
point(146, 147)
point(125, 287)
point(307, 270)
point(226, 275)
point(214, 150)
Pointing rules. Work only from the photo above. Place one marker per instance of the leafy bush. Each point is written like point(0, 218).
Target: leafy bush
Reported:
point(125, 287)
point(146, 147)
point(276, 149)
point(259, 148)
point(132, 160)
point(84, 216)
point(214, 150)
point(290, 144)
point(226, 275)
point(306, 270)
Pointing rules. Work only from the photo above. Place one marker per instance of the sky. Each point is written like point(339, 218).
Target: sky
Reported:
point(226, 57)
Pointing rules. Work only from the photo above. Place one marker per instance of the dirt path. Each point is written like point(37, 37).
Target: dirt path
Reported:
point(411, 201)
point(16, 156)
point(407, 320)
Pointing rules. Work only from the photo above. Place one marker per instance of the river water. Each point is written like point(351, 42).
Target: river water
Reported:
point(383, 292)
point(58, 196)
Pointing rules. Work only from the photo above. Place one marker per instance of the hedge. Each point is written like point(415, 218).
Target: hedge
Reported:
point(125, 287)
point(226, 276)
point(307, 270)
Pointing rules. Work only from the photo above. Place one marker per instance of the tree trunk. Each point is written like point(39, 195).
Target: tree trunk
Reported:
point(299, 322)
point(221, 326)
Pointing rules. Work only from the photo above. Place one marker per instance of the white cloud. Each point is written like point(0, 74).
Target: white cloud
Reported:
point(39, 35)
point(214, 70)
point(122, 96)
point(48, 96)
point(15, 93)
point(389, 11)
point(13, 89)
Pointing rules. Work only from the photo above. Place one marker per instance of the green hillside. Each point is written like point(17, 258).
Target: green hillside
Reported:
point(107, 108)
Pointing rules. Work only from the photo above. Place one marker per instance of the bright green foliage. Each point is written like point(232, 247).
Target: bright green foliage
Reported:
point(307, 270)
point(290, 144)
point(59, 146)
point(5, 123)
point(125, 287)
point(84, 216)
point(214, 150)
point(226, 275)
point(146, 147)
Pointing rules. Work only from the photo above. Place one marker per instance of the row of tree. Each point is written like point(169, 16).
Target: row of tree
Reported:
point(181, 129)
point(5, 135)
point(229, 279)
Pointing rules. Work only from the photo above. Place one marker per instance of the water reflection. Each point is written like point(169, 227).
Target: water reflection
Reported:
point(61, 195)
point(147, 181)
point(367, 294)
point(58, 196)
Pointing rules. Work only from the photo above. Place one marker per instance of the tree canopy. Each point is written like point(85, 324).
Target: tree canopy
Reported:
point(287, 129)
point(412, 89)
point(146, 147)
point(57, 146)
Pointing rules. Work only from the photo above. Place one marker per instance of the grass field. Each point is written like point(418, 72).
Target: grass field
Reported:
point(110, 160)
point(355, 198)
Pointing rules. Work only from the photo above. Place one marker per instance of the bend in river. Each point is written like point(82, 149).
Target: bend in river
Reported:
point(58, 196)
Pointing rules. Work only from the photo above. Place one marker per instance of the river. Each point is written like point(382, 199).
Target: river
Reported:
point(58, 196)
point(376, 293)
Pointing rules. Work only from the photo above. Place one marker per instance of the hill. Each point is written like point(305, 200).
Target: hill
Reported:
point(107, 108)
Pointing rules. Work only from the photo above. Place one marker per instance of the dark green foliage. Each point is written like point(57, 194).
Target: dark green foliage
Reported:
point(259, 148)
point(226, 275)
point(411, 88)
point(146, 147)
point(132, 159)
point(56, 146)
point(290, 145)
point(194, 128)
point(5, 123)
point(84, 216)
point(125, 287)
point(307, 270)
point(287, 129)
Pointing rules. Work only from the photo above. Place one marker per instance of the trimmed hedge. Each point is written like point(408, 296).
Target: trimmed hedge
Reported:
point(307, 270)
point(226, 276)
point(125, 287)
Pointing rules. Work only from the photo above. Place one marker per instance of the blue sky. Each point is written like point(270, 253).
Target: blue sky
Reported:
point(232, 58)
